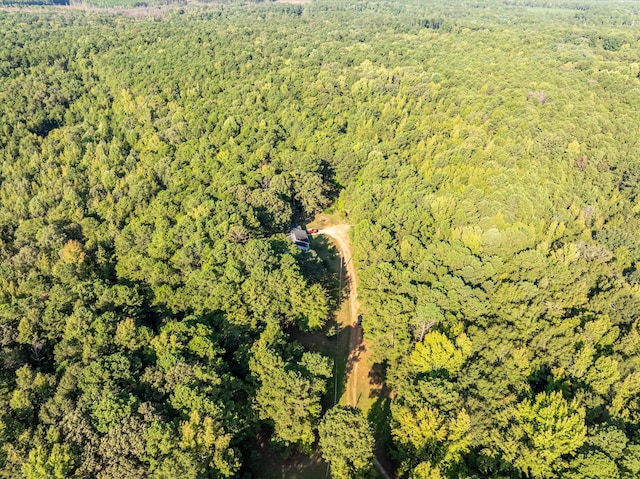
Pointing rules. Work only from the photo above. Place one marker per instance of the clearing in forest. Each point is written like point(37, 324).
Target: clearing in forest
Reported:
point(363, 385)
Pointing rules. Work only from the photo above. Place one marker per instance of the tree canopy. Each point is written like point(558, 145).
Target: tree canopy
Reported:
point(346, 440)
point(485, 153)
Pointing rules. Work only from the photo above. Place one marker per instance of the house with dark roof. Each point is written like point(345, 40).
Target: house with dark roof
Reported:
point(300, 238)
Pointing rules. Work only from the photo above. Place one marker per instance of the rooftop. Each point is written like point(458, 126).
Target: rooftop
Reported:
point(297, 235)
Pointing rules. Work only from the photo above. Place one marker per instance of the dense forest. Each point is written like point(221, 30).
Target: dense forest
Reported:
point(487, 155)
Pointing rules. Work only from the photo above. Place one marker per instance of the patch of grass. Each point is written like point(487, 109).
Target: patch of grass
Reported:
point(379, 417)
point(328, 254)
point(365, 399)
point(324, 220)
point(336, 347)
point(340, 357)
point(273, 465)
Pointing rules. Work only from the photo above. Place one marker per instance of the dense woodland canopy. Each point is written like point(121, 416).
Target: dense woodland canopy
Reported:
point(486, 153)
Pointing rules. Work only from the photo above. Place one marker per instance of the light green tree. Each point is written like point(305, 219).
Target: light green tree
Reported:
point(542, 434)
point(54, 464)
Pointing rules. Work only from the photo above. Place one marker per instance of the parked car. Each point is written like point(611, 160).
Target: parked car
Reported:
point(359, 320)
point(312, 231)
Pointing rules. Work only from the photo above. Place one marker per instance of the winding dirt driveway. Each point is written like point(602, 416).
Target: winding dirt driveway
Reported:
point(358, 351)
point(340, 234)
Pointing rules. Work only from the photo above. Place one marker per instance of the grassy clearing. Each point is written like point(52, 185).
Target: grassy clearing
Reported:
point(325, 220)
point(273, 464)
point(337, 346)
point(373, 399)
point(365, 398)
point(298, 466)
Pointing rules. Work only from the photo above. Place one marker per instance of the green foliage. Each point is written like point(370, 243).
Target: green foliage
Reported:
point(346, 441)
point(291, 388)
point(486, 156)
point(541, 432)
point(493, 244)
point(437, 352)
point(56, 464)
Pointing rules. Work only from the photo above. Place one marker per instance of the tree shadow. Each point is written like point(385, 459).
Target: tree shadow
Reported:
point(336, 280)
point(358, 348)
point(342, 366)
point(268, 460)
point(376, 379)
point(379, 418)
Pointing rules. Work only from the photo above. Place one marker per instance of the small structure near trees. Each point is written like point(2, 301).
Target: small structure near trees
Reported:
point(300, 238)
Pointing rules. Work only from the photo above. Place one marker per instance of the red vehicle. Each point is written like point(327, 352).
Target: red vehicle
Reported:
point(312, 231)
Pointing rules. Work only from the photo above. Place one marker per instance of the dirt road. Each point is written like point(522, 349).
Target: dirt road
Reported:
point(358, 352)
point(357, 349)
